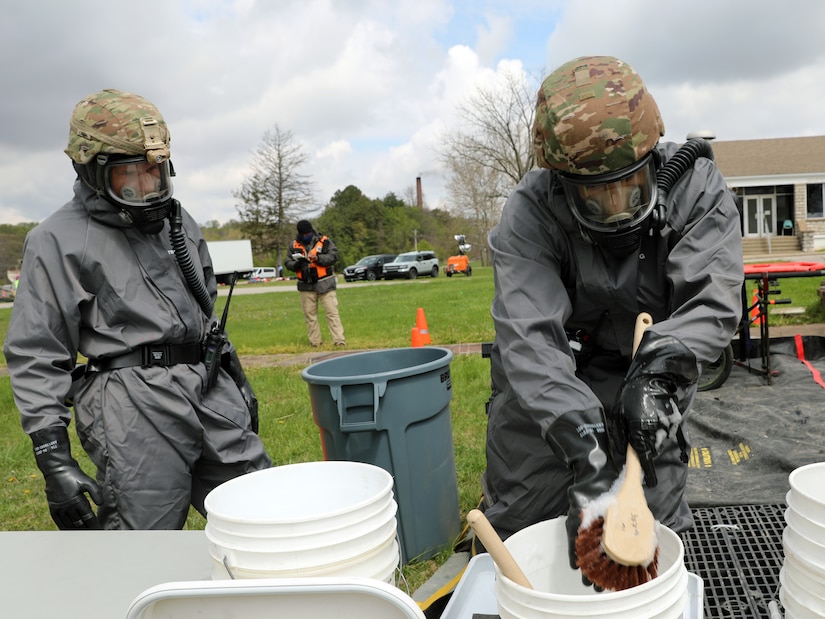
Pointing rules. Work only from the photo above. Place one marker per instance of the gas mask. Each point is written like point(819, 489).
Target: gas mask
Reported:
point(142, 190)
point(612, 207)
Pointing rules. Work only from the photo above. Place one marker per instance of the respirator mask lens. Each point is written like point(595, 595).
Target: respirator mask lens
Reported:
point(615, 201)
point(135, 182)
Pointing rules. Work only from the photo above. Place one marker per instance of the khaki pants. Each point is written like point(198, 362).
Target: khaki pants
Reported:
point(329, 301)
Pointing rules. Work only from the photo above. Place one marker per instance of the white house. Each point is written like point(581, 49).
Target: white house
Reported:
point(780, 186)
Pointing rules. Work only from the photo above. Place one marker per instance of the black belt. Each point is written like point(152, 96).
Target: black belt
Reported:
point(157, 354)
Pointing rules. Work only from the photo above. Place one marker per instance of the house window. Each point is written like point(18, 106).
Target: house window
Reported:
point(815, 201)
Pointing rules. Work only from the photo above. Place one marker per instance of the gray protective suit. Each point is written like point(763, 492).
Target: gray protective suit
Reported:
point(92, 285)
point(551, 281)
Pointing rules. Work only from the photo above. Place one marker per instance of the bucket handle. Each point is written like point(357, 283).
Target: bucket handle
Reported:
point(337, 394)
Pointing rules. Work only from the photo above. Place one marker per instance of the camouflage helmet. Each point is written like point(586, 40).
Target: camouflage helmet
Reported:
point(593, 116)
point(114, 122)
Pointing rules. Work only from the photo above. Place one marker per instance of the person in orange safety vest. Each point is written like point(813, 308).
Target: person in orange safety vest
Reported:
point(312, 256)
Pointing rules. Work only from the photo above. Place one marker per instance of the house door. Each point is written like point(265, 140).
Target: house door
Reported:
point(760, 216)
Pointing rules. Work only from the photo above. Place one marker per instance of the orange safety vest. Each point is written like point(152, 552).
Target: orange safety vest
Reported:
point(320, 271)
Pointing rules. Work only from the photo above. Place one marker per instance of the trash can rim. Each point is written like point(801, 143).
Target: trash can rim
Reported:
point(310, 377)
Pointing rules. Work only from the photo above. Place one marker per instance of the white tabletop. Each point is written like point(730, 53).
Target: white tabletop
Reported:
point(93, 574)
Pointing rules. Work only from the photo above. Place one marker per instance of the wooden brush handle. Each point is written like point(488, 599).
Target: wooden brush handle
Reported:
point(643, 321)
point(629, 534)
point(498, 551)
point(633, 468)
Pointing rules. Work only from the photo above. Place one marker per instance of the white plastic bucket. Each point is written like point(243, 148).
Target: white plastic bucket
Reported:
point(804, 553)
point(803, 525)
point(806, 589)
point(802, 577)
point(808, 491)
point(331, 540)
point(319, 557)
point(324, 527)
point(794, 607)
point(384, 564)
point(380, 564)
point(310, 519)
point(299, 499)
point(669, 605)
point(541, 552)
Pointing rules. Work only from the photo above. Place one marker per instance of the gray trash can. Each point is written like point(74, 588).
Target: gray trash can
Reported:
point(391, 408)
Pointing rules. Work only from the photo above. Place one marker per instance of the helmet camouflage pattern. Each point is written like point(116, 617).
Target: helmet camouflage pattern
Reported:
point(117, 122)
point(594, 115)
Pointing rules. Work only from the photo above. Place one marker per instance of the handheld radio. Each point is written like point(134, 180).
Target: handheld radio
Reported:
point(215, 341)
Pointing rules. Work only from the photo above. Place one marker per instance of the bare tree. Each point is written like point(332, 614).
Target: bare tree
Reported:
point(275, 193)
point(491, 151)
point(497, 128)
point(476, 194)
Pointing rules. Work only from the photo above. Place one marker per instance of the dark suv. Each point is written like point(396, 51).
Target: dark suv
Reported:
point(369, 268)
point(411, 265)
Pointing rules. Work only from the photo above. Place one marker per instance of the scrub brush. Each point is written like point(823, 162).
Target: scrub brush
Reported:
point(617, 545)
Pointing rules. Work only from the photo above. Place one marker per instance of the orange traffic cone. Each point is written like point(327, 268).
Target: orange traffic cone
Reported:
point(755, 315)
point(421, 325)
point(417, 339)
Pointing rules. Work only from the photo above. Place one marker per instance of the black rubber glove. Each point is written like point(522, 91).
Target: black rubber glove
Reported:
point(647, 411)
point(232, 364)
point(580, 440)
point(66, 483)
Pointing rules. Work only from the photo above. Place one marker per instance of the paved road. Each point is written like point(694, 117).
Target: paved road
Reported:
point(246, 288)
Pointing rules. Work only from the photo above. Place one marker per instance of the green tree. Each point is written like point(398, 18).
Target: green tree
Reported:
point(361, 226)
point(356, 224)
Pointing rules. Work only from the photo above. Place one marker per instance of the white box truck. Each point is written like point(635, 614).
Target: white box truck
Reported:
point(229, 257)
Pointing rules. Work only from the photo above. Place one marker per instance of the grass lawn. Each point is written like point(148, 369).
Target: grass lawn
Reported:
point(377, 315)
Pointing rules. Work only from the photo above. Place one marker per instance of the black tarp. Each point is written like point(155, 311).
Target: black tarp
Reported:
point(750, 433)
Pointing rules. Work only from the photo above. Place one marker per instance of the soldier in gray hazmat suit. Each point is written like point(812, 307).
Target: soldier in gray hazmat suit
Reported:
point(122, 275)
point(583, 246)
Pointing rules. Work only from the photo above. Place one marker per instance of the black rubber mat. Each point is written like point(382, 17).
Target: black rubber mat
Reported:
point(737, 551)
point(748, 436)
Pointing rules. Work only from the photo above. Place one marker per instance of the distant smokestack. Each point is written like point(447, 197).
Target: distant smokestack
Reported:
point(419, 198)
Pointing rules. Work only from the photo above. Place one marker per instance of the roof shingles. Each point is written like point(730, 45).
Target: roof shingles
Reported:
point(738, 158)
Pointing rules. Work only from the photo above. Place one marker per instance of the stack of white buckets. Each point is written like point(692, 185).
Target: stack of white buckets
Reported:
point(802, 577)
point(540, 551)
point(309, 519)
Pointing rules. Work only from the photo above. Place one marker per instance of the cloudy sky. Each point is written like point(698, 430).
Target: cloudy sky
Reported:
point(367, 86)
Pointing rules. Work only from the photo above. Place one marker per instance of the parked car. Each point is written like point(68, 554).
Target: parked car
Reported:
point(411, 265)
point(263, 273)
point(368, 267)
